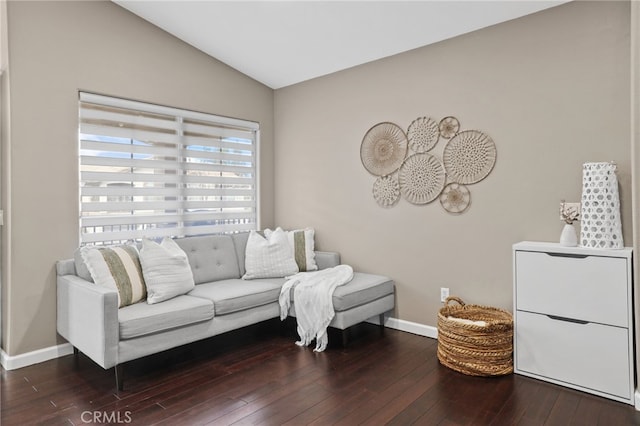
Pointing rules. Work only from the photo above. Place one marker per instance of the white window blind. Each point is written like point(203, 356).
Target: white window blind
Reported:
point(153, 171)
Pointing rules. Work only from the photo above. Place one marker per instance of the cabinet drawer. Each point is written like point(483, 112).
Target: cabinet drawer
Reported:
point(591, 288)
point(590, 356)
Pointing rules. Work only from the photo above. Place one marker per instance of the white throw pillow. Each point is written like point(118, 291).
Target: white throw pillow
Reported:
point(302, 245)
point(166, 270)
point(269, 256)
point(116, 267)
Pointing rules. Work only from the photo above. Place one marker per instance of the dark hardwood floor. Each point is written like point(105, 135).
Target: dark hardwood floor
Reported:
point(259, 376)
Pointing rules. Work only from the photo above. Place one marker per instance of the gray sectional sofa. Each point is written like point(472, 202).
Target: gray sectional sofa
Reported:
point(89, 318)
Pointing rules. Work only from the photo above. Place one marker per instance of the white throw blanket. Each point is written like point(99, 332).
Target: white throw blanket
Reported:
point(313, 293)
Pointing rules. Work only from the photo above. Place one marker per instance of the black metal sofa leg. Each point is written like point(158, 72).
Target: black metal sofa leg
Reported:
point(119, 376)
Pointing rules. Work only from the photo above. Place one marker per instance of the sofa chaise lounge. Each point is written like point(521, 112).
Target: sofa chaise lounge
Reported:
point(89, 318)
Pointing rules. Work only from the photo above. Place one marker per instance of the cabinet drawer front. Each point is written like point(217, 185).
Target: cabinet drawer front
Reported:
point(592, 356)
point(591, 288)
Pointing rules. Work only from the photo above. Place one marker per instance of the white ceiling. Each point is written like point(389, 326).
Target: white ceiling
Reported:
point(280, 43)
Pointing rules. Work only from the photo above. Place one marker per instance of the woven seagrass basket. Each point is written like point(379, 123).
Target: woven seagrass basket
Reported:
point(475, 350)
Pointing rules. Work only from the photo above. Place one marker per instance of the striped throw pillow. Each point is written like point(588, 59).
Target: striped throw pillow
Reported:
point(302, 241)
point(303, 245)
point(117, 267)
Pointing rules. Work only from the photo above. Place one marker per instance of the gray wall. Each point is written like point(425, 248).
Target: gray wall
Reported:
point(551, 89)
point(55, 49)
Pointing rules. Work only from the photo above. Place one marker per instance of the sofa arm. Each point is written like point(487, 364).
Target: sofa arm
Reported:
point(88, 318)
point(327, 259)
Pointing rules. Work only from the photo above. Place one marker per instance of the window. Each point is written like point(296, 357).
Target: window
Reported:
point(153, 171)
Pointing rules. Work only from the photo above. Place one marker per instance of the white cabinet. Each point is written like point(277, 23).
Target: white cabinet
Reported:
point(573, 322)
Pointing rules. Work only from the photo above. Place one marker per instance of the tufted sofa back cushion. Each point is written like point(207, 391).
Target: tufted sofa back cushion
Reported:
point(212, 257)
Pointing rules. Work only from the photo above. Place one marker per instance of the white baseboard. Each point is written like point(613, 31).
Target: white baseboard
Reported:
point(23, 360)
point(9, 362)
point(408, 326)
point(637, 400)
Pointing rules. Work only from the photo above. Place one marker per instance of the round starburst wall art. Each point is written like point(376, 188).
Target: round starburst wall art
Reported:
point(405, 165)
point(449, 127)
point(469, 157)
point(455, 198)
point(386, 191)
point(421, 178)
point(423, 134)
point(383, 149)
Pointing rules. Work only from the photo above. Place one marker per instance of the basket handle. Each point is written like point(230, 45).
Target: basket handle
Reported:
point(454, 299)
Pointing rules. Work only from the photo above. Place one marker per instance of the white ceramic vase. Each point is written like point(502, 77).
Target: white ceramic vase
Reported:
point(569, 236)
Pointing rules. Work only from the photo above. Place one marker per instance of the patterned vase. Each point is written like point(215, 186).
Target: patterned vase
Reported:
point(600, 224)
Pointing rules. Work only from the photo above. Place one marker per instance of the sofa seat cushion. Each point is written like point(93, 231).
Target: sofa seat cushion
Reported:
point(362, 289)
point(141, 318)
point(235, 295)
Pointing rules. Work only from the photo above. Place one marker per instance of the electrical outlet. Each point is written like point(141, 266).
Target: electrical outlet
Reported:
point(444, 293)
